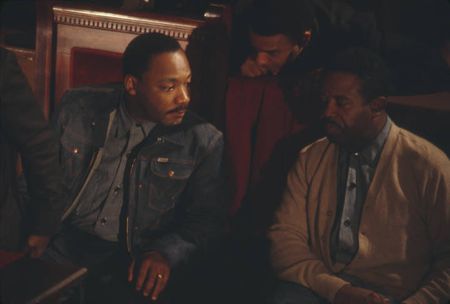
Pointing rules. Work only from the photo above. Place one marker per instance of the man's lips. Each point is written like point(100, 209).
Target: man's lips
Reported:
point(178, 110)
point(331, 125)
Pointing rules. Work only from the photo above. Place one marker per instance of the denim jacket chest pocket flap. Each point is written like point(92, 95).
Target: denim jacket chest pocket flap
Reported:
point(74, 156)
point(167, 181)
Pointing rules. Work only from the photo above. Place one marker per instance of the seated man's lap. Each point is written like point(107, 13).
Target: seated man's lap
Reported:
point(293, 293)
point(107, 264)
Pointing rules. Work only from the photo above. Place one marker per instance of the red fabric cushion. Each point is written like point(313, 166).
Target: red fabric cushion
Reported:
point(7, 257)
point(92, 66)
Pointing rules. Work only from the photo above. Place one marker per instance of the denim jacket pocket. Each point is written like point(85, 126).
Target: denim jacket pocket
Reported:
point(168, 180)
point(73, 159)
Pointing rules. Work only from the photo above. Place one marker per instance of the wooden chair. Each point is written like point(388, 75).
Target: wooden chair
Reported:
point(27, 280)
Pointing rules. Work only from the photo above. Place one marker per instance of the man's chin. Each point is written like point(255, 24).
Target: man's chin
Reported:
point(334, 137)
point(173, 120)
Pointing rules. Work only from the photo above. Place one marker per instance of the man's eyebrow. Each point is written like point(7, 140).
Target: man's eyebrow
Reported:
point(173, 79)
point(168, 80)
point(267, 50)
point(342, 97)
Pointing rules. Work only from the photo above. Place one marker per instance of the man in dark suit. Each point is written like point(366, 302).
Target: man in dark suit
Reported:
point(24, 130)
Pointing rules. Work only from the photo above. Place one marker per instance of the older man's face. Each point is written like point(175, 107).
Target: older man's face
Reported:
point(347, 117)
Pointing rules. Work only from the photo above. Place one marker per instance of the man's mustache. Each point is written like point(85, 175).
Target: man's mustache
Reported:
point(178, 109)
point(327, 121)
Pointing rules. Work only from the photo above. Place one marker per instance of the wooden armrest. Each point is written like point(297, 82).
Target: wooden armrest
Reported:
point(29, 280)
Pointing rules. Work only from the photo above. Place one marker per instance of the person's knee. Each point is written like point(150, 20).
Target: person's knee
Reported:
point(293, 293)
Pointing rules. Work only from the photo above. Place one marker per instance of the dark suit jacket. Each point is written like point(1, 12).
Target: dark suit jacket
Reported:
point(24, 130)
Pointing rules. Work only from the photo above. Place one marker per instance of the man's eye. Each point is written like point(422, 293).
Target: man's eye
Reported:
point(167, 88)
point(341, 101)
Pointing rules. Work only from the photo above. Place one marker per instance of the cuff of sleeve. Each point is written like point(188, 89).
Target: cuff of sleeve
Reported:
point(328, 285)
point(174, 248)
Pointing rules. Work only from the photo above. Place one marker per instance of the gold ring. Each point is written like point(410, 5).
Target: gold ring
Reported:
point(160, 276)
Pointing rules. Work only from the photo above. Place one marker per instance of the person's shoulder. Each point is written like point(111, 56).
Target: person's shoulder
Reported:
point(316, 148)
point(203, 132)
point(92, 98)
point(420, 150)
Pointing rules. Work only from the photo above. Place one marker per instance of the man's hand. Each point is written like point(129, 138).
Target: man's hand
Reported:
point(350, 294)
point(36, 245)
point(153, 274)
point(251, 69)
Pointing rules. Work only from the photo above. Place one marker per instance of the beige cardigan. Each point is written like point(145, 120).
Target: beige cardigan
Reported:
point(404, 236)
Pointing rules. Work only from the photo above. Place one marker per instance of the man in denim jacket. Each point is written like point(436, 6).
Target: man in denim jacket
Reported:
point(143, 174)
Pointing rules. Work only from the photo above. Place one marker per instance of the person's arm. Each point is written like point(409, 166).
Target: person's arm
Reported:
point(250, 68)
point(291, 254)
point(436, 286)
point(204, 216)
point(204, 219)
point(31, 134)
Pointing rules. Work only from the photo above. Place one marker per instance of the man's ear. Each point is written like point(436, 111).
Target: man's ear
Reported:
point(378, 105)
point(296, 50)
point(130, 83)
point(299, 47)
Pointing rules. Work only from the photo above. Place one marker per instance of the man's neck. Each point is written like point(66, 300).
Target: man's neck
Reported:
point(372, 134)
point(134, 111)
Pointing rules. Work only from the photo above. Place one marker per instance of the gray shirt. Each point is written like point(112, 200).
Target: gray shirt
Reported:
point(101, 202)
point(355, 172)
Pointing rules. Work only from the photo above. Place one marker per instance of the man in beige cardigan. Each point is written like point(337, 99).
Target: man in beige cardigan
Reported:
point(365, 217)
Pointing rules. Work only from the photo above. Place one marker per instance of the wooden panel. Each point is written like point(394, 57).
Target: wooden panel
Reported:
point(108, 67)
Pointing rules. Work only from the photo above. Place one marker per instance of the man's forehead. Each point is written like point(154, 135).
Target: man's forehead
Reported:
point(341, 79)
point(267, 43)
point(169, 65)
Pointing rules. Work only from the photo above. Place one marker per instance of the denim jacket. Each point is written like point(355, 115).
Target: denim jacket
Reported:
point(173, 183)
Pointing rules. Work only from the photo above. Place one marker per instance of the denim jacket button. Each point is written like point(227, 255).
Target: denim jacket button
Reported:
point(75, 150)
point(171, 173)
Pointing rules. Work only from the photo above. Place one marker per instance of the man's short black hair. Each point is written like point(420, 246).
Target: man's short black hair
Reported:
point(368, 66)
point(140, 51)
point(287, 17)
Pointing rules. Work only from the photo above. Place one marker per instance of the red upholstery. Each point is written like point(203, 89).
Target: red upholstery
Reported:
point(7, 257)
point(92, 66)
point(256, 119)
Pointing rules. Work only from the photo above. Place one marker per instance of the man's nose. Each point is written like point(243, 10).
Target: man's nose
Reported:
point(262, 58)
point(330, 108)
point(183, 95)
